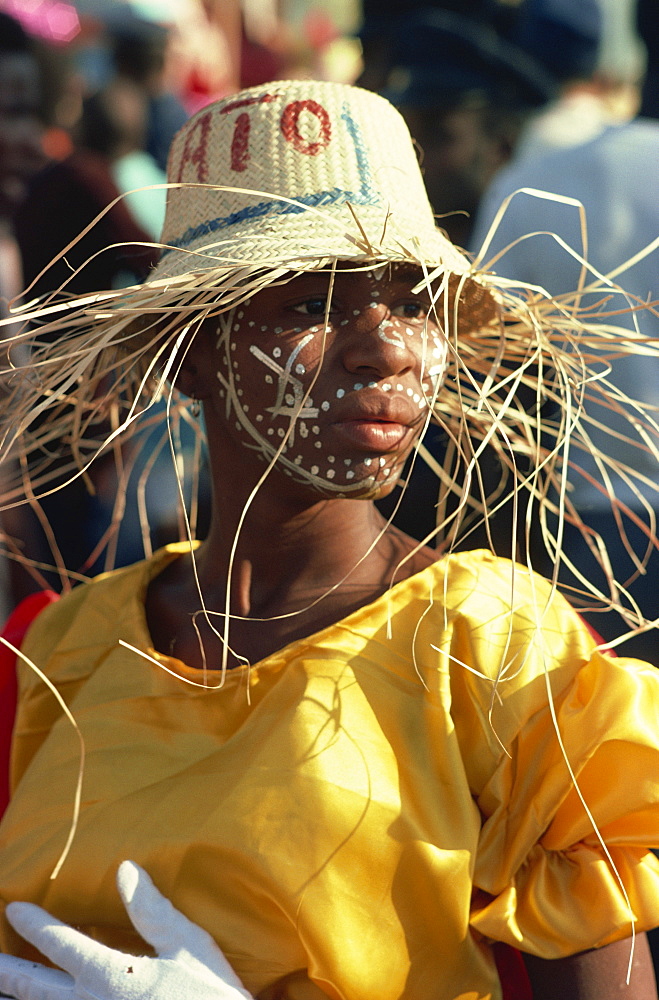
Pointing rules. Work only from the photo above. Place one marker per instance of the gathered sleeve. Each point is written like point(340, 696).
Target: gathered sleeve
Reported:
point(569, 798)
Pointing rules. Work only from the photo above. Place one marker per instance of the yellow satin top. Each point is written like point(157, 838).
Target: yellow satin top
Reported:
point(374, 813)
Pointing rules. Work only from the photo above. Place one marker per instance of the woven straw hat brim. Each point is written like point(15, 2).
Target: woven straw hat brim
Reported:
point(294, 233)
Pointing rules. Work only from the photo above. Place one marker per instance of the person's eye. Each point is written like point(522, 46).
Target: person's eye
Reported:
point(410, 310)
point(314, 306)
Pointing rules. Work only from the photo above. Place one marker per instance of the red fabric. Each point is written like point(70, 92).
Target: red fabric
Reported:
point(515, 984)
point(14, 632)
point(596, 636)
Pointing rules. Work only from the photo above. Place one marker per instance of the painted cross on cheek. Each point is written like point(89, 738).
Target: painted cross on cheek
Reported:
point(287, 403)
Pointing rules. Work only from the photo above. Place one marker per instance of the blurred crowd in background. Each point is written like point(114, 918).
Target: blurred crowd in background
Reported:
point(561, 95)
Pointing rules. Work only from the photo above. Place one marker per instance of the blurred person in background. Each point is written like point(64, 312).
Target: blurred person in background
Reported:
point(138, 49)
point(21, 156)
point(62, 200)
point(647, 19)
point(21, 151)
point(591, 50)
point(114, 125)
point(465, 92)
point(119, 141)
point(614, 177)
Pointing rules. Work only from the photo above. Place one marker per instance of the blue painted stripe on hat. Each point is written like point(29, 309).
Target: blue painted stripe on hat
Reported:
point(361, 153)
point(335, 196)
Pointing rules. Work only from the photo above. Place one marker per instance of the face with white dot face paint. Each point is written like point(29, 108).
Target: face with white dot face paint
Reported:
point(336, 385)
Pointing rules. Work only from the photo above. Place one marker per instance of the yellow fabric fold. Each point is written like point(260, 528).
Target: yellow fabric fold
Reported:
point(376, 812)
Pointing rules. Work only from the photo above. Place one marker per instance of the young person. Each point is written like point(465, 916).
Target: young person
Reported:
point(358, 768)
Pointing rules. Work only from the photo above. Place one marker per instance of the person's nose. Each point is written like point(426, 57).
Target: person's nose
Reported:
point(375, 343)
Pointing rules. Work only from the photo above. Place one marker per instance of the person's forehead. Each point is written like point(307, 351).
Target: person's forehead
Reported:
point(349, 274)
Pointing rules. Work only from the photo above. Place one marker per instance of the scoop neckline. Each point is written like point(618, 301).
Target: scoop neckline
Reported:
point(165, 556)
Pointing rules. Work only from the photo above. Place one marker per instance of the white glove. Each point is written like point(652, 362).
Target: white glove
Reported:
point(189, 965)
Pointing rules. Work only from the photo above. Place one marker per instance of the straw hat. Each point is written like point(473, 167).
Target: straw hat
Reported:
point(286, 170)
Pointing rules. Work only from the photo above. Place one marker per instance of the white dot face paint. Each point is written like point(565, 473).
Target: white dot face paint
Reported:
point(364, 356)
point(436, 371)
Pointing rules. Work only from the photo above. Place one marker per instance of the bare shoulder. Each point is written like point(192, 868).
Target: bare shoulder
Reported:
point(600, 974)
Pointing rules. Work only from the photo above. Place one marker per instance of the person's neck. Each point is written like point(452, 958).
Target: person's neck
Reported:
point(279, 559)
point(288, 574)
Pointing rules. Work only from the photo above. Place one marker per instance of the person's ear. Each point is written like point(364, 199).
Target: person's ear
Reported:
point(196, 376)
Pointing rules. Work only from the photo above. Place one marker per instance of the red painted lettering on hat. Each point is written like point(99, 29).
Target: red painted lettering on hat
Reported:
point(289, 126)
point(245, 102)
point(240, 143)
point(196, 154)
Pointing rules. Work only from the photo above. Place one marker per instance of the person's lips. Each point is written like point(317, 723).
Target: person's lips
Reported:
point(374, 424)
